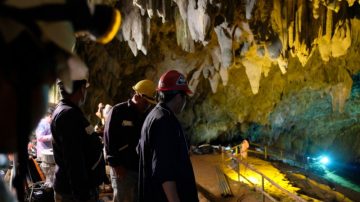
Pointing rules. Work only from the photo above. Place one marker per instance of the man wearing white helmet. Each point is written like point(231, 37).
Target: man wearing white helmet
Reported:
point(165, 172)
point(121, 135)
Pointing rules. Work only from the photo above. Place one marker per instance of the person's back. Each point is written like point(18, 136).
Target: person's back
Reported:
point(164, 141)
point(166, 173)
point(73, 151)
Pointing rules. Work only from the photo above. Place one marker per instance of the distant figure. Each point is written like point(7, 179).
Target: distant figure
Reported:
point(102, 113)
point(43, 134)
point(166, 173)
point(121, 136)
point(244, 148)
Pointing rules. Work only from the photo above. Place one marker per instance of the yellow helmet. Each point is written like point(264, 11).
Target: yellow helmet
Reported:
point(147, 89)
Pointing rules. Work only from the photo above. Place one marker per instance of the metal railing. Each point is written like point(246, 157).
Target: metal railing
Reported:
point(261, 189)
point(223, 183)
point(291, 158)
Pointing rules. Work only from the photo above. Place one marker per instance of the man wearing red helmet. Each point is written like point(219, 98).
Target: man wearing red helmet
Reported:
point(165, 172)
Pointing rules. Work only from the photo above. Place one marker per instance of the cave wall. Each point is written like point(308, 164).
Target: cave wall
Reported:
point(284, 73)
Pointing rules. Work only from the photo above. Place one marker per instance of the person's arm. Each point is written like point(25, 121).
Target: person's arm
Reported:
point(45, 138)
point(171, 191)
point(114, 143)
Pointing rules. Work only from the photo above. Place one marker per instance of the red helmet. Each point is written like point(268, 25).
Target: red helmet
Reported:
point(173, 80)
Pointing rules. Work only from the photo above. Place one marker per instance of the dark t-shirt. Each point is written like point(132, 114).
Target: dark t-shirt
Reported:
point(121, 135)
point(71, 148)
point(164, 157)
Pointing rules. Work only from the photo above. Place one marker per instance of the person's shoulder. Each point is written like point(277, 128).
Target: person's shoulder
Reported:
point(160, 115)
point(121, 108)
point(66, 112)
point(120, 105)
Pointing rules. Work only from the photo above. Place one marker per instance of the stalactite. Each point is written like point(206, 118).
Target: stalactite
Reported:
point(337, 39)
point(182, 5)
point(274, 28)
point(341, 40)
point(316, 6)
point(224, 75)
point(183, 36)
point(253, 72)
point(164, 9)
point(351, 2)
point(195, 79)
point(329, 23)
point(249, 7)
point(214, 82)
point(224, 35)
point(216, 57)
point(291, 25)
point(198, 20)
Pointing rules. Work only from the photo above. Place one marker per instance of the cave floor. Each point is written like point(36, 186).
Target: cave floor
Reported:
point(308, 188)
point(295, 182)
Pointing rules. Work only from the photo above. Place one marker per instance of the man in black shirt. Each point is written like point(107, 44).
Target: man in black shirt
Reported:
point(75, 146)
point(121, 135)
point(165, 172)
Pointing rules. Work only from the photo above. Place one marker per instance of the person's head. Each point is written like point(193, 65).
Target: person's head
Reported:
point(172, 90)
point(103, 111)
point(106, 110)
point(78, 92)
point(144, 94)
point(49, 112)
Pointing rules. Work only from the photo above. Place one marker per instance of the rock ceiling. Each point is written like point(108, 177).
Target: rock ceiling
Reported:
point(255, 34)
point(258, 68)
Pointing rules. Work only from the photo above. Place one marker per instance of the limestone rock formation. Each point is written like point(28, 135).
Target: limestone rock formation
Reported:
point(282, 72)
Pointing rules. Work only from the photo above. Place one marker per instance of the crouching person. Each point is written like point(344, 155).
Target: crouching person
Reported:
point(80, 166)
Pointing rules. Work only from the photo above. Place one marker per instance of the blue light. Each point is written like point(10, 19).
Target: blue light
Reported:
point(324, 160)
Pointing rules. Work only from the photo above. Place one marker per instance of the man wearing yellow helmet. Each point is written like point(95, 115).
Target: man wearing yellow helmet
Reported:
point(121, 136)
